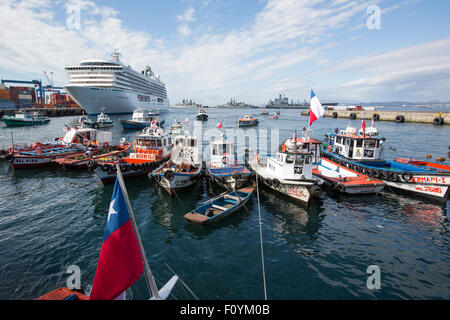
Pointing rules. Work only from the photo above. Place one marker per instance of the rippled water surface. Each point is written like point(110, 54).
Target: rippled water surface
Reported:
point(50, 219)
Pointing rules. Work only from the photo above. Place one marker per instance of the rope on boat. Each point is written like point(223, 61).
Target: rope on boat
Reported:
point(182, 282)
point(260, 238)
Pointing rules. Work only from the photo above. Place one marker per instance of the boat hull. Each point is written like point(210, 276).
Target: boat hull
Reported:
point(426, 183)
point(230, 178)
point(134, 125)
point(179, 181)
point(96, 100)
point(21, 123)
point(344, 180)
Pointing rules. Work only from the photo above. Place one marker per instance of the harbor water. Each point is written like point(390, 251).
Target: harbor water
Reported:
point(51, 219)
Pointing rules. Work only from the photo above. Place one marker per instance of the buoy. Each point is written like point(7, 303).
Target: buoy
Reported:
point(441, 159)
point(429, 156)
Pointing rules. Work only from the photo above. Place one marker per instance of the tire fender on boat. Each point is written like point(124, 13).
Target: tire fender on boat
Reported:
point(105, 167)
point(276, 182)
point(340, 187)
point(169, 175)
point(406, 176)
point(268, 182)
point(9, 158)
point(92, 164)
point(316, 191)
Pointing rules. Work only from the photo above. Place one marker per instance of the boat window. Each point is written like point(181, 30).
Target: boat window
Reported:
point(159, 143)
point(359, 143)
point(299, 159)
point(308, 160)
point(339, 140)
point(169, 139)
point(289, 159)
point(153, 143)
point(369, 143)
point(347, 141)
point(215, 150)
point(192, 143)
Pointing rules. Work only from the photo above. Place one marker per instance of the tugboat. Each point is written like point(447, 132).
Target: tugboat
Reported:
point(103, 121)
point(222, 169)
point(25, 118)
point(337, 177)
point(202, 116)
point(362, 153)
point(248, 121)
point(150, 149)
point(185, 167)
point(141, 119)
point(289, 173)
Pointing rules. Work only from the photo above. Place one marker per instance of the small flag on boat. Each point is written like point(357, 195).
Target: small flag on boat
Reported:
point(316, 109)
point(186, 121)
point(120, 263)
point(364, 125)
point(219, 126)
point(153, 122)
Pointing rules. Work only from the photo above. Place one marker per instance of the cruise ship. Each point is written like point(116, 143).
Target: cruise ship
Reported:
point(111, 87)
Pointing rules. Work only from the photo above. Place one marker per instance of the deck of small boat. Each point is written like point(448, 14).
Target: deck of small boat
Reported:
point(262, 171)
point(420, 163)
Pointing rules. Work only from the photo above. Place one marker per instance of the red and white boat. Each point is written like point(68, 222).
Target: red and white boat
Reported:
point(75, 142)
point(150, 149)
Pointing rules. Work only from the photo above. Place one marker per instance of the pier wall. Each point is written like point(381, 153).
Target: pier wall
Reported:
point(394, 116)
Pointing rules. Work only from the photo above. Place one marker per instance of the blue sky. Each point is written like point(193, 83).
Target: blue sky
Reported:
point(253, 50)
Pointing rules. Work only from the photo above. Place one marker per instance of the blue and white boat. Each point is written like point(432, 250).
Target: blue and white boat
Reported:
point(141, 119)
point(223, 169)
point(361, 152)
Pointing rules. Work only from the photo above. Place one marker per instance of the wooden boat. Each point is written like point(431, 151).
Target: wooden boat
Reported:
point(150, 150)
point(185, 167)
point(248, 121)
point(423, 164)
point(103, 121)
point(75, 142)
point(25, 118)
point(222, 169)
point(220, 207)
point(362, 153)
point(63, 293)
point(289, 173)
point(274, 116)
point(87, 160)
point(336, 177)
point(202, 116)
point(141, 119)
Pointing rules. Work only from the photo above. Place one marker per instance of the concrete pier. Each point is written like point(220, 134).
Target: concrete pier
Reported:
point(437, 118)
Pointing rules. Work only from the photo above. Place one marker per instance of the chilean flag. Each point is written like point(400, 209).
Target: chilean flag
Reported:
point(120, 263)
point(316, 110)
point(219, 126)
point(364, 125)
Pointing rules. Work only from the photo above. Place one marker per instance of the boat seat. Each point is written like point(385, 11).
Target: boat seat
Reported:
point(219, 207)
point(231, 197)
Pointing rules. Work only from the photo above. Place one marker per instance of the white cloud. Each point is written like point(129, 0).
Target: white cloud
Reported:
point(188, 16)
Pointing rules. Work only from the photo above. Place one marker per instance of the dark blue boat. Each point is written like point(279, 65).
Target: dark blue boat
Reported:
point(220, 207)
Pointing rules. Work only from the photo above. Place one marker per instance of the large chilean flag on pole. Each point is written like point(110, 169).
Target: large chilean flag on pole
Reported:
point(316, 110)
point(120, 263)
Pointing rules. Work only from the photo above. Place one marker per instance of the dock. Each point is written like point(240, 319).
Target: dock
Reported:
point(430, 117)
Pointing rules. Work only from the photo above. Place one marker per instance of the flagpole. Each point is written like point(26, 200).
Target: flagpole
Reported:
point(148, 274)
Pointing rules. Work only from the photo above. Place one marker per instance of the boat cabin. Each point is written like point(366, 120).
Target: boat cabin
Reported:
point(291, 166)
point(176, 129)
point(103, 118)
point(349, 144)
point(152, 144)
point(185, 149)
point(305, 145)
point(79, 135)
point(222, 152)
point(145, 116)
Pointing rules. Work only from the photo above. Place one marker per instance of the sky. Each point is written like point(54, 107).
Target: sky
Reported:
point(253, 50)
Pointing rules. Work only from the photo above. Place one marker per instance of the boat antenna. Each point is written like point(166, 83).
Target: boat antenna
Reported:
point(260, 238)
point(148, 274)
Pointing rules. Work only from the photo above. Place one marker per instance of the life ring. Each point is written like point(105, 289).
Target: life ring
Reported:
point(329, 148)
point(225, 160)
point(340, 187)
point(316, 191)
point(169, 175)
point(106, 145)
point(276, 182)
point(438, 121)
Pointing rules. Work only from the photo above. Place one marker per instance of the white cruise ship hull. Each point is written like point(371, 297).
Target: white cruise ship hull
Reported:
point(95, 100)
